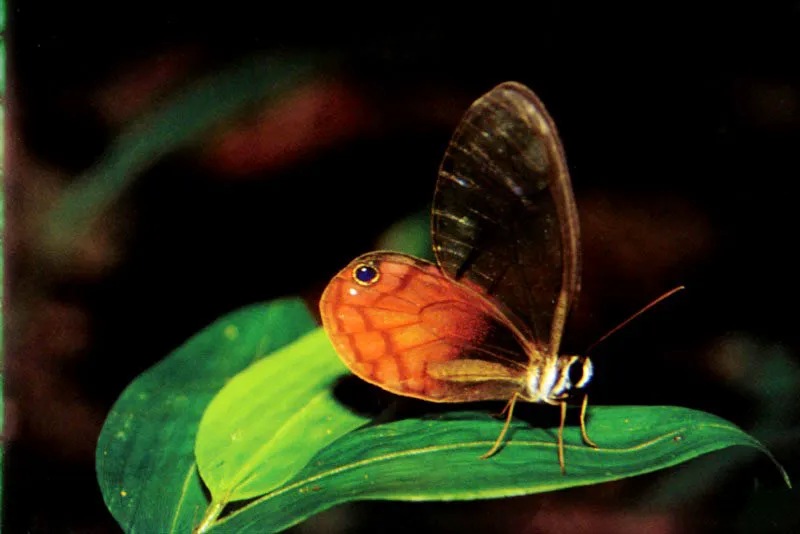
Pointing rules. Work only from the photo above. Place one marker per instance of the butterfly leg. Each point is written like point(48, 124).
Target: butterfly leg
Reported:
point(561, 437)
point(505, 408)
point(510, 408)
point(584, 435)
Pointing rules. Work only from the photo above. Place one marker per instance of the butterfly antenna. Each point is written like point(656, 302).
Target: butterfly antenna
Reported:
point(634, 316)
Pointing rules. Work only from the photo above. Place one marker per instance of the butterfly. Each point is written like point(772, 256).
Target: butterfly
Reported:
point(485, 321)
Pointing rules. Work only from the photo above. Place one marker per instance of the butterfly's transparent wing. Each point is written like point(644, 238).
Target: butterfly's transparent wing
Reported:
point(413, 331)
point(504, 216)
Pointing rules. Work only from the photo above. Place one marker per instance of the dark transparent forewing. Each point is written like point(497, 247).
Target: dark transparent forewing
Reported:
point(504, 216)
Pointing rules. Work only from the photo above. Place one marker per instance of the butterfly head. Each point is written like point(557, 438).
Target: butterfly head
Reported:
point(580, 372)
point(574, 374)
point(562, 378)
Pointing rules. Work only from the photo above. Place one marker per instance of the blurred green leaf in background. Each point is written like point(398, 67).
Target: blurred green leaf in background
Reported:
point(181, 120)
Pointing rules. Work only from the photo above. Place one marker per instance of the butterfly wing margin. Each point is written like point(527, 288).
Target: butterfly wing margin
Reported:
point(504, 215)
point(417, 333)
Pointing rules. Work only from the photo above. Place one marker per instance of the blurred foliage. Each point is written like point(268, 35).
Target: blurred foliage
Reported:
point(189, 113)
point(411, 235)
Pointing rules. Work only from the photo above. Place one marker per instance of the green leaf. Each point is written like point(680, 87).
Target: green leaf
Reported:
point(437, 459)
point(145, 455)
point(275, 439)
point(251, 440)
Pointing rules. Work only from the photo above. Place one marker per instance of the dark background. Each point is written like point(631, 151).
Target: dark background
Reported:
point(681, 131)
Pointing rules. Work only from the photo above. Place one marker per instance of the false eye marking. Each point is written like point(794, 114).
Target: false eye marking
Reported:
point(365, 274)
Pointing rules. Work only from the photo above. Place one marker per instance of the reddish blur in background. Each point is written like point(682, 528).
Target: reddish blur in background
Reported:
point(681, 130)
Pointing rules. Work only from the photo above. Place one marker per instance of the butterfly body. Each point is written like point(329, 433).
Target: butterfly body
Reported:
point(485, 321)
